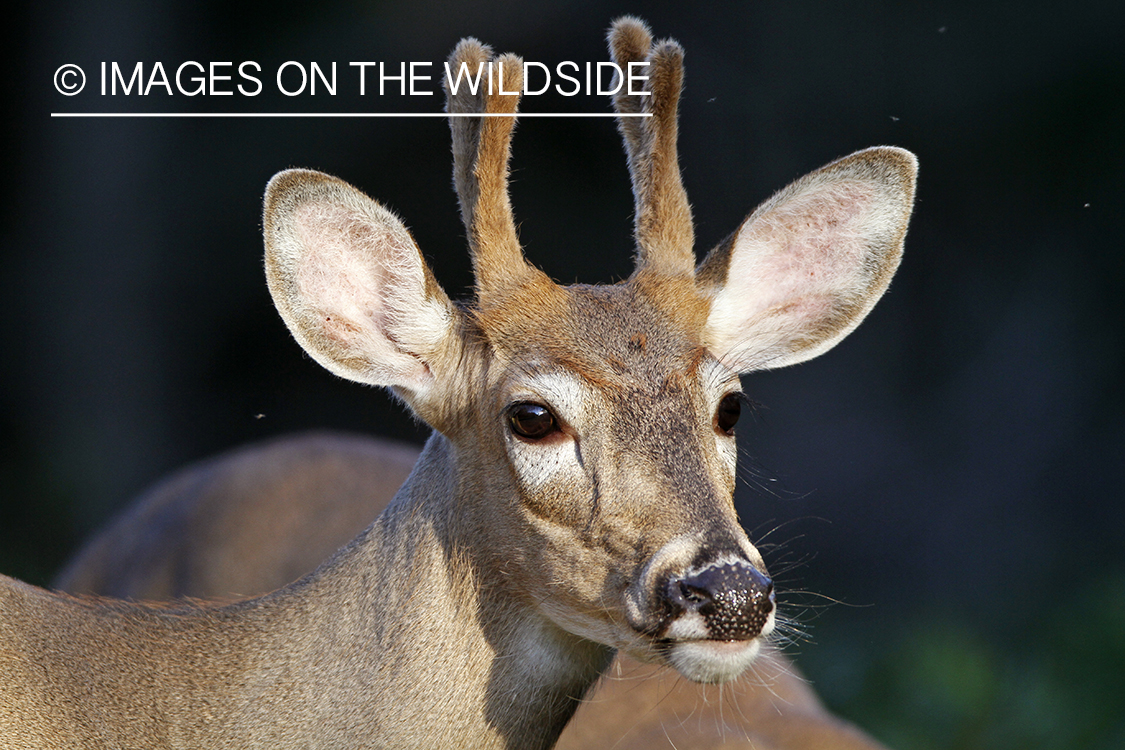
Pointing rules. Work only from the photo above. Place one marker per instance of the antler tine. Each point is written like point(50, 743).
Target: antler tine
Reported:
point(629, 41)
point(481, 151)
point(663, 225)
point(472, 55)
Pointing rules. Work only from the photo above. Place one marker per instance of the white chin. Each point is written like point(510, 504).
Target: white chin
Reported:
point(713, 661)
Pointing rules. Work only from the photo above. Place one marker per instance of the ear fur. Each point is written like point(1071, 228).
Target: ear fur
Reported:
point(351, 284)
point(809, 264)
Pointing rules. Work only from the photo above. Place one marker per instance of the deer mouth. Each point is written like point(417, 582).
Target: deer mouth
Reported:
point(712, 661)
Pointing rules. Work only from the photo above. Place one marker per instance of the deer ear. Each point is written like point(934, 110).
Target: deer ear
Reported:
point(351, 284)
point(806, 267)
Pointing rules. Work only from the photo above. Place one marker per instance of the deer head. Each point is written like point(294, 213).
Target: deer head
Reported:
point(589, 430)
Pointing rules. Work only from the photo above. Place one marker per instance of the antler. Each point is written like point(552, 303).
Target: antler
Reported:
point(663, 225)
point(481, 151)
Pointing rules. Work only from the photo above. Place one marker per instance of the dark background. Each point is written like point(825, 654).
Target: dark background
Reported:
point(950, 475)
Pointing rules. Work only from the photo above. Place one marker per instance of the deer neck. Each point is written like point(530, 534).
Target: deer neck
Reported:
point(442, 649)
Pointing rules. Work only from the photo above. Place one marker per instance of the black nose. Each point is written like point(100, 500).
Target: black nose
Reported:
point(735, 599)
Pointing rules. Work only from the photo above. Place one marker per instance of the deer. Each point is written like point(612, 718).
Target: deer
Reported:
point(574, 500)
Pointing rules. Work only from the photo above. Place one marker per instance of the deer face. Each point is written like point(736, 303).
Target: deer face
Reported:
point(617, 429)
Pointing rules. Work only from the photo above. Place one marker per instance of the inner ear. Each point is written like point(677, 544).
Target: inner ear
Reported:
point(349, 278)
point(808, 265)
point(351, 284)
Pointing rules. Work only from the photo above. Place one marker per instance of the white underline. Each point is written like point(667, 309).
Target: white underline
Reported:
point(350, 114)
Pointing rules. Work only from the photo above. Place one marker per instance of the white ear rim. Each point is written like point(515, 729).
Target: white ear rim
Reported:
point(811, 262)
point(351, 284)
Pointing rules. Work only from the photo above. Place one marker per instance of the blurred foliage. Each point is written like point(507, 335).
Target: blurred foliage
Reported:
point(1054, 682)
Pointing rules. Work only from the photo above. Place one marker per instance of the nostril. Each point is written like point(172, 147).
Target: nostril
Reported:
point(694, 595)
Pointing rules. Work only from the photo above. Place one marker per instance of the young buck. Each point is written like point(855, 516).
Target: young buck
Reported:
point(575, 496)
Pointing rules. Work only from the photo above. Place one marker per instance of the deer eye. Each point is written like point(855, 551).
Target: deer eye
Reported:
point(730, 409)
point(532, 421)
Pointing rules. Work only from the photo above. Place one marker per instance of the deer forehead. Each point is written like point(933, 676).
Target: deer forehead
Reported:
point(618, 339)
point(625, 377)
